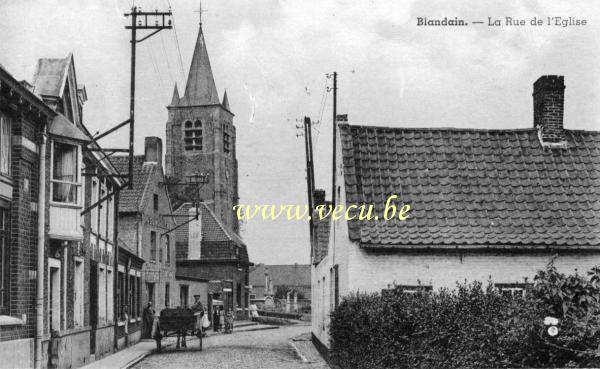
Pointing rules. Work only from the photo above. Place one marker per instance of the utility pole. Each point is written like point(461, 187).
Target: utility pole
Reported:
point(141, 20)
point(334, 164)
point(310, 184)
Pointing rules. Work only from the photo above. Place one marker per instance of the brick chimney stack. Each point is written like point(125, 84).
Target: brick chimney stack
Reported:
point(153, 150)
point(548, 108)
point(342, 118)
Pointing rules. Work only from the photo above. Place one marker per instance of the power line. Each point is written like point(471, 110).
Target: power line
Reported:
point(182, 70)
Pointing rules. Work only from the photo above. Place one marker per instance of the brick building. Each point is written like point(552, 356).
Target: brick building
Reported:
point(144, 217)
point(486, 203)
point(23, 120)
point(51, 253)
point(208, 250)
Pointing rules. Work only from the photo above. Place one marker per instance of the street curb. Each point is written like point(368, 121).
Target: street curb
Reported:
point(256, 329)
point(142, 357)
point(302, 357)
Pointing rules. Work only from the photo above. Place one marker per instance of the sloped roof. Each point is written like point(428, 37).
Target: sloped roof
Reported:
point(472, 187)
point(200, 88)
point(63, 127)
point(215, 236)
point(135, 199)
point(288, 275)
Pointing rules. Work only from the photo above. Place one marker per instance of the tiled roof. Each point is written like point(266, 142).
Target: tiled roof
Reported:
point(473, 187)
point(281, 275)
point(134, 200)
point(218, 241)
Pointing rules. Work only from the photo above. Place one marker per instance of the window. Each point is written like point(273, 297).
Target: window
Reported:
point(78, 292)
point(133, 297)
point(183, 296)
point(4, 255)
point(109, 295)
point(54, 294)
point(512, 289)
point(102, 209)
point(122, 295)
point(226, 138)
point(109, 213)
point(405, 289)
point(101, 295)
point(5, 144)
point(152, 246)
point(168, 247)
point(167, 295)
point(64, 173)
point(94, 212)
point(238, 296)
point(336, 285)
point(193, 136)
point(155, 198)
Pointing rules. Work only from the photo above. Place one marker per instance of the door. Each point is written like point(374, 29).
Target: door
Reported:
point(183, 296)
point(150, 292)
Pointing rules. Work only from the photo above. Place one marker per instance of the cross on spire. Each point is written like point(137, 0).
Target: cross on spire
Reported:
point(200, 11)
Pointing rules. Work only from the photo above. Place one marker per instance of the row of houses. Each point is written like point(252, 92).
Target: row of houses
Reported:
point(486, 204)
point(81, 253)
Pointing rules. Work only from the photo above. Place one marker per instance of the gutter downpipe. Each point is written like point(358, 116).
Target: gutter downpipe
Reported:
point(41, 238)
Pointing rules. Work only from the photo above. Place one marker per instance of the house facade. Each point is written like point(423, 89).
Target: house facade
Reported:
point(145, 217)
point(50, 314)
point(485, 205)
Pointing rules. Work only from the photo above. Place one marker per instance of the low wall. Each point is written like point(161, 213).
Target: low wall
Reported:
point(17, 353)
point(105, 338)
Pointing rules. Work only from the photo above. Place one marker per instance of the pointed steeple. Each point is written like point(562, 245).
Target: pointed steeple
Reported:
point(200, 88)
point(175, 99)
point(225, 102)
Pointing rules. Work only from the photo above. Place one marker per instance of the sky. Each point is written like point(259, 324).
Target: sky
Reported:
point(272, 57)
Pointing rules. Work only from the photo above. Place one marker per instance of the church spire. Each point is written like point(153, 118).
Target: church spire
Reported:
point(225, 102)
point(200, 88)
point(175, 99)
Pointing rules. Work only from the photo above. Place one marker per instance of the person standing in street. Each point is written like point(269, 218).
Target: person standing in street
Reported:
point(215, 319)
point(148, 317)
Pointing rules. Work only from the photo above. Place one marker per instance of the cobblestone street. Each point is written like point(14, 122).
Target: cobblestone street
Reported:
point(267, 349)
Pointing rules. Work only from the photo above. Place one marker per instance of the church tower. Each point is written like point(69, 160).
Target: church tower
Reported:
point(201, 140)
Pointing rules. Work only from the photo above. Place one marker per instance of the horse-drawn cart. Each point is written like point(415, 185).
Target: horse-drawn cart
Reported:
point(178, 322)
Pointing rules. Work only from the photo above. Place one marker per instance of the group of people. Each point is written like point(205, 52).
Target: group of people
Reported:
point(222, 320)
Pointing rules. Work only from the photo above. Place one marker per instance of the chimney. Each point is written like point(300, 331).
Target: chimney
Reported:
point(548, 108)
point(153, 150)
point(342, 118)
point(319, 197)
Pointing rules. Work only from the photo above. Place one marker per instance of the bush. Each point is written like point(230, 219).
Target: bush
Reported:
point(471, 326)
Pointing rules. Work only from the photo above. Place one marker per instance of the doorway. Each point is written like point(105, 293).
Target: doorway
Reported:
point(150, 292)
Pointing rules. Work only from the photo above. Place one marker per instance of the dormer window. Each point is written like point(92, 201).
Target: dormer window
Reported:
point(65, 181)
point(193, 135)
